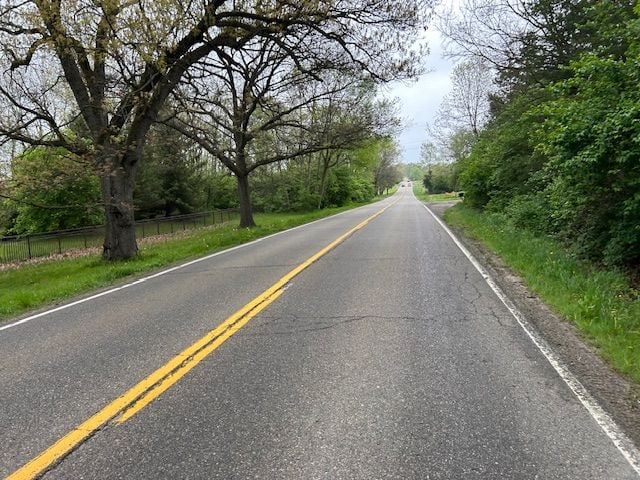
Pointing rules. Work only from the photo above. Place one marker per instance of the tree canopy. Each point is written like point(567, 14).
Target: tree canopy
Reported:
point(560, 153)
point(113, 65)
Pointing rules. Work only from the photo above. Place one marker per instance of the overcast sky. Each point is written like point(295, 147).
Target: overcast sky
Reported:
point(419, 101)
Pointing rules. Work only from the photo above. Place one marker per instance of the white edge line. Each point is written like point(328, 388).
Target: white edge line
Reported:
point(613, 431)
point(172, 269)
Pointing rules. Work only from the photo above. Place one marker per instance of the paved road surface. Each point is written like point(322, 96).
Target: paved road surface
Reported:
point(389, 357)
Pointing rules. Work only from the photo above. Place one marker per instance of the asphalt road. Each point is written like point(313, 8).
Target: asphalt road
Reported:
point(389, 357)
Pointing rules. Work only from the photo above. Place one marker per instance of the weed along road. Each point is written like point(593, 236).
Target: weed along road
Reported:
point(366, 345)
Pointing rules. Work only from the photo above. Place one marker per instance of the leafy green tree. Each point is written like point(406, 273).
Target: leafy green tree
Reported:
point(502, 163)
point(592, 140)
point(8, 211)
point(460, 143)
point(563, 159)
point(296, 184)
point(287, 186)
point(439, 178)
point(345, 187)
point(387, 171)
point(170, 180)
point(52, 189)
point(219, 190)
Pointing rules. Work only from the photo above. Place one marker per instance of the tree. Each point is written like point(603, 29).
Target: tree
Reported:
point(591, 137)
point(348, 121)
point(439, 178)
point(52, 189)
point(529, 42)
point(460, 144)
point(503, 160)
point(429, 153)
point(387, 172)
point(462, 114)
point(114, 65)
point(437, 175)
point(170, 179)
point(241, 97)
point(260, 95)
point(466, 106)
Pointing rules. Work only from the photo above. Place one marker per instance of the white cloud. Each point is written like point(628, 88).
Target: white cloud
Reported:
point(419, 101)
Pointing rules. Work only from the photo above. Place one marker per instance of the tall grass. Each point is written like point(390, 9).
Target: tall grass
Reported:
point(599, 301)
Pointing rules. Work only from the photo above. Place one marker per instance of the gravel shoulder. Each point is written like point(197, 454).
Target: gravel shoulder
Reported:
point(618, 395)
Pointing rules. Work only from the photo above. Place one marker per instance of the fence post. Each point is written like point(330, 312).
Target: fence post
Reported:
point(158, 227)
point(84, 237)
point(59, 245)
point(29, 246)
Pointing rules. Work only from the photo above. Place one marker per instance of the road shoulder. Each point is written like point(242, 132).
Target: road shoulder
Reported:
point(616, 394)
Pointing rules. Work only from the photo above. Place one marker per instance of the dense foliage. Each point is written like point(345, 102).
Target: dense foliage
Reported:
point(353, 176)
point(561, 154)
point(439, 178)
point(50, 189)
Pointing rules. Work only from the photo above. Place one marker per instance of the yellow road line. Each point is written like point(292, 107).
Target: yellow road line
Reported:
point(127, 405)
point(168, 381)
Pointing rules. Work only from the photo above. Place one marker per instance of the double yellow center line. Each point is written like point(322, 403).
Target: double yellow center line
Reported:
point(127, 405)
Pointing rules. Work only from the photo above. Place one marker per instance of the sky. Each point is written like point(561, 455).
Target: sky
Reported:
point(419, 101)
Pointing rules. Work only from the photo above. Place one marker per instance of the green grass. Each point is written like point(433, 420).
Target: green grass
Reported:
point(600, 302)
point(32, 286)
point(420, 192)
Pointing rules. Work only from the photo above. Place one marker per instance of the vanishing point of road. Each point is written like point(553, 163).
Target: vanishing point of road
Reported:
point(385, 355)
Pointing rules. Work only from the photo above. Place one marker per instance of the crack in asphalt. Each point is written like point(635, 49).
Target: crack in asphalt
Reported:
point(320, 323)
point(335, 321)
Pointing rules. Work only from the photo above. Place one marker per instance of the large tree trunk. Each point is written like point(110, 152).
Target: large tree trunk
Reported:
point(120, 233)
point(246, 211)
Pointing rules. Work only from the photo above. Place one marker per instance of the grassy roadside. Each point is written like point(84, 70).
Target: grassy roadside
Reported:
point(35, 285)
point(420, 192)
point(598, 301)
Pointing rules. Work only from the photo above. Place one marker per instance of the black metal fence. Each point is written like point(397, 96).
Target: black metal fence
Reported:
point(22, 247)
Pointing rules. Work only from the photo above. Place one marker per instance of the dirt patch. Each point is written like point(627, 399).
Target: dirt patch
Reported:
point(75, 253)
point(617, 394)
